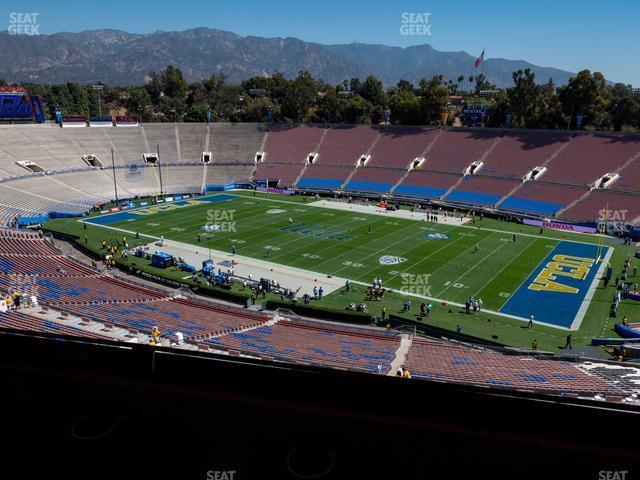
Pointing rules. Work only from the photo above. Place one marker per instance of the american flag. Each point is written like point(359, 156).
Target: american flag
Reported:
point(480, 59)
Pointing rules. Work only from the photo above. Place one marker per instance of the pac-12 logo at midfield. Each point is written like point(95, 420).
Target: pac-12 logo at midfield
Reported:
point(391, 260)
point(437, 236)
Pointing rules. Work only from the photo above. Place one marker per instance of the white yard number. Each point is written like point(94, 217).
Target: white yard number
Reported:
point(352, 264)
point(311, 255)
point(454, 285)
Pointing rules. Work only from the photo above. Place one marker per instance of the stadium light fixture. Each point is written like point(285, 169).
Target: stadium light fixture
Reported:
point(97, 87)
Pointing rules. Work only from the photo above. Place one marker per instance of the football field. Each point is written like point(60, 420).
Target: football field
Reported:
point(549, 278)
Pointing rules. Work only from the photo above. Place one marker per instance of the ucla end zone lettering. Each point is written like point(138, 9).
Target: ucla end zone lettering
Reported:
point(161, 207)
point(318, 231)
point(556, 289)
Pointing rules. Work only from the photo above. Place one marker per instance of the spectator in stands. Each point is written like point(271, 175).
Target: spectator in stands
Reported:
point(179, 338)
point(16, 300)
point(399, 372)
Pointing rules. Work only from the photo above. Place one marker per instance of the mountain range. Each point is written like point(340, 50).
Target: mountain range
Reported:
point(120, 58)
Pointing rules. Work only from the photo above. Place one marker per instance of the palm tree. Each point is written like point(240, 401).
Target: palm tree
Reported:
point(460, 80)
point(470, 82)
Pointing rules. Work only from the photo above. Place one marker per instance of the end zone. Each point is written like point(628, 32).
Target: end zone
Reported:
point(558, 291)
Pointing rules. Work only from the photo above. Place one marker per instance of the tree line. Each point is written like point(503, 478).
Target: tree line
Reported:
point(587, 101)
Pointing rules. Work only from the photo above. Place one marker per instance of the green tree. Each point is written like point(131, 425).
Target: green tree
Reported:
point(586, 94)
point(623, 107)
point(523, 98)
point(434, 99)
point(405, 108)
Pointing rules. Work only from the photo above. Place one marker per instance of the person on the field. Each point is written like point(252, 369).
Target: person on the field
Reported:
point(476, 248)
point(290, 220)
point(568, 344)
point(514, 237)
point(531, 318)
point(423, 309)
point(233, 249)
point(315, 292)
point(429, 309)
point(320, 293)
point(534, 344)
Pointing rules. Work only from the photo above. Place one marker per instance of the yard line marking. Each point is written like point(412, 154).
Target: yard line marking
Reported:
point(502, 269)
point(475, 265)
point(526, 278)
point(441, 248)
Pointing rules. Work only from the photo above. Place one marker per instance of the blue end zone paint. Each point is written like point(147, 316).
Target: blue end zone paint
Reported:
point(552, 307)
point(320, 182)
point(130, 214)
point(368, 186)
point(473, 197)
point(415, 190)
point(525, 205)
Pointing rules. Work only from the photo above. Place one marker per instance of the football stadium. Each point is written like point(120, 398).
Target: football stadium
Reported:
point(173, 285)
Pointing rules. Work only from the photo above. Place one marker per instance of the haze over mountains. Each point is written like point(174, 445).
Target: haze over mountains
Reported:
point(120, 58)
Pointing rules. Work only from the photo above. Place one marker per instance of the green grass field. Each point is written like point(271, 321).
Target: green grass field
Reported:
point(351, 245)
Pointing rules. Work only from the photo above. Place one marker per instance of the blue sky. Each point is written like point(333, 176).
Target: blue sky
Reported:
point(566, 34)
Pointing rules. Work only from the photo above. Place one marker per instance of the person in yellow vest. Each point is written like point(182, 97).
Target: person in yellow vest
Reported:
point(405, 373)
point(534, 344)
point(155, 334)
point(625, 321)
point(104, 244)
point(15, 297)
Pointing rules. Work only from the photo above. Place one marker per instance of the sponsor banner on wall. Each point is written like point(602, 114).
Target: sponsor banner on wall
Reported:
point(100, 121)
point(74, 121)
point(280, 191)
point(567, 227)
point(126, 121)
